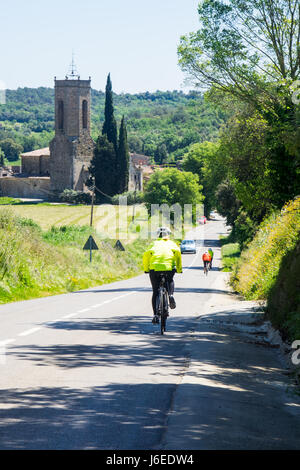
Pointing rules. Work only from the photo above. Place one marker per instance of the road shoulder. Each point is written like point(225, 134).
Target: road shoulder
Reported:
point(237, 392)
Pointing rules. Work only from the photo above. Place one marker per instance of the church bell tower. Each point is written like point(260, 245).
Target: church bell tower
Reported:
point(71, 150)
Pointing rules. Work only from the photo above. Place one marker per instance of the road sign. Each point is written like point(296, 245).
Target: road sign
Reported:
point(90, 244)
point(119, 246)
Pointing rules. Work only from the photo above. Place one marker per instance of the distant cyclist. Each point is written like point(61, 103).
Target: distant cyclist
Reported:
point(211, 255)
point(206, 258)
point(162, 256)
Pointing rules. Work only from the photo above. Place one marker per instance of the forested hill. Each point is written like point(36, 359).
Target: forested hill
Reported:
point(160, 124)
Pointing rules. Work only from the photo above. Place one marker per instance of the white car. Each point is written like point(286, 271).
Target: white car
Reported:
point(188, 246)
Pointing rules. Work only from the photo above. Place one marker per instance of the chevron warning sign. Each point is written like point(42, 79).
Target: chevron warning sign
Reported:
point(119, 246)
point(90, 244)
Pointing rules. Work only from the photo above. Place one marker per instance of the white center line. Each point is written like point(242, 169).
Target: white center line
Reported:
point(112, 300)
point(70, 315)
point(29, 332)
point(6, 341)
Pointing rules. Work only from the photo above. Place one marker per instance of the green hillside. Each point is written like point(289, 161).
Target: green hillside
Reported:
point(160, 124)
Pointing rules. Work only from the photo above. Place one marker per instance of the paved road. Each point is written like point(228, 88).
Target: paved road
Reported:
point(88, 370)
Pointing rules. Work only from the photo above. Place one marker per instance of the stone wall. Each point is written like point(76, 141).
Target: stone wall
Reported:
point(69, 161)
point(31, 187)
point(36, 165)
point(135, 182)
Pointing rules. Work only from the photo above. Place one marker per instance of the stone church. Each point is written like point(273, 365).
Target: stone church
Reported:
point(64, 165)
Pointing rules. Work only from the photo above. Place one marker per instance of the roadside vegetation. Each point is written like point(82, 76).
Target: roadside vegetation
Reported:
point(269, 268)
point(9, 200)
point(230, 254)
point(245, 57)
point(36, 263)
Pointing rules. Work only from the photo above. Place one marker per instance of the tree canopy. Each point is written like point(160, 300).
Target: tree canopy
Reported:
point(171, 186)
point(170, 118)
point(246, 56)
point(248, 49)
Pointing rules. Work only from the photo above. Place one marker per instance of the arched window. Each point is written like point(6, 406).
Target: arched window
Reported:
point(84, 114)
point(60, 115)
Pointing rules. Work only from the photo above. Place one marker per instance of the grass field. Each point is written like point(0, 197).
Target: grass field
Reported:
point(109, 221)
point(37, 263)
point(41, 246)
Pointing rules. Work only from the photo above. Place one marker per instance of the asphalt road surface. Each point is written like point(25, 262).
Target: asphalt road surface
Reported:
point(89, 370)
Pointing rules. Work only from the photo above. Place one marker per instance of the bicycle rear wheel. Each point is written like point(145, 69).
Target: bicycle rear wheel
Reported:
point(164, 313)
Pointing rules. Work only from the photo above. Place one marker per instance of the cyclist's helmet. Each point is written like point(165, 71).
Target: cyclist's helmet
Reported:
point(163, 232)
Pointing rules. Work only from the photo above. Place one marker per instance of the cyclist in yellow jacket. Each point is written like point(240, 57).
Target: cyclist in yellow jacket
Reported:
point(162, 256)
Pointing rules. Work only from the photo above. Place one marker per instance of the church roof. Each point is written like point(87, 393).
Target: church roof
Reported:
point(37, 153)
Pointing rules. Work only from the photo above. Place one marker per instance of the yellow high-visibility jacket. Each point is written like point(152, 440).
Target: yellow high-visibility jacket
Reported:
point(162, 255)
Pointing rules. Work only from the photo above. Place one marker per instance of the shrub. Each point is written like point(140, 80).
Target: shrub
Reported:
point(75, 197)
point(131, 196)
point(244, 229)
point(67, 234)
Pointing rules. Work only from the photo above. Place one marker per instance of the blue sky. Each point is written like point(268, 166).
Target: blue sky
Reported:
point(135, 40)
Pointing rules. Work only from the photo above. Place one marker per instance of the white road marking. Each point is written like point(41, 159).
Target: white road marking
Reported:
point(6, 341)
point(70, 315)
point(29, 332)
point(112, 300)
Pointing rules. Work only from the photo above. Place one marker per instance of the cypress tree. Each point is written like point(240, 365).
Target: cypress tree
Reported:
point(123, 158)
point(110, 126)
point(1, 157)
point(103, 166)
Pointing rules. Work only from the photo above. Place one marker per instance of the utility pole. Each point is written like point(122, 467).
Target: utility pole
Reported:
point(92, 213)
point(135, 190)
point(135, 185)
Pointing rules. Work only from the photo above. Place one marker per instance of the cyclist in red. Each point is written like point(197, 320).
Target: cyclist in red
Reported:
point(206, 258)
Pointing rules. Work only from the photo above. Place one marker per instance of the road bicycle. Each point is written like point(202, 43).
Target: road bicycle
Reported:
point(206, 267)
point(162, 303)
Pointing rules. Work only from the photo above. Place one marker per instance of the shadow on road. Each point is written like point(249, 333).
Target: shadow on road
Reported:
point(211, 243)
point(200, 268)
point(238, 394)
point(148, 346)
point(118, 416)
point(199, 290)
